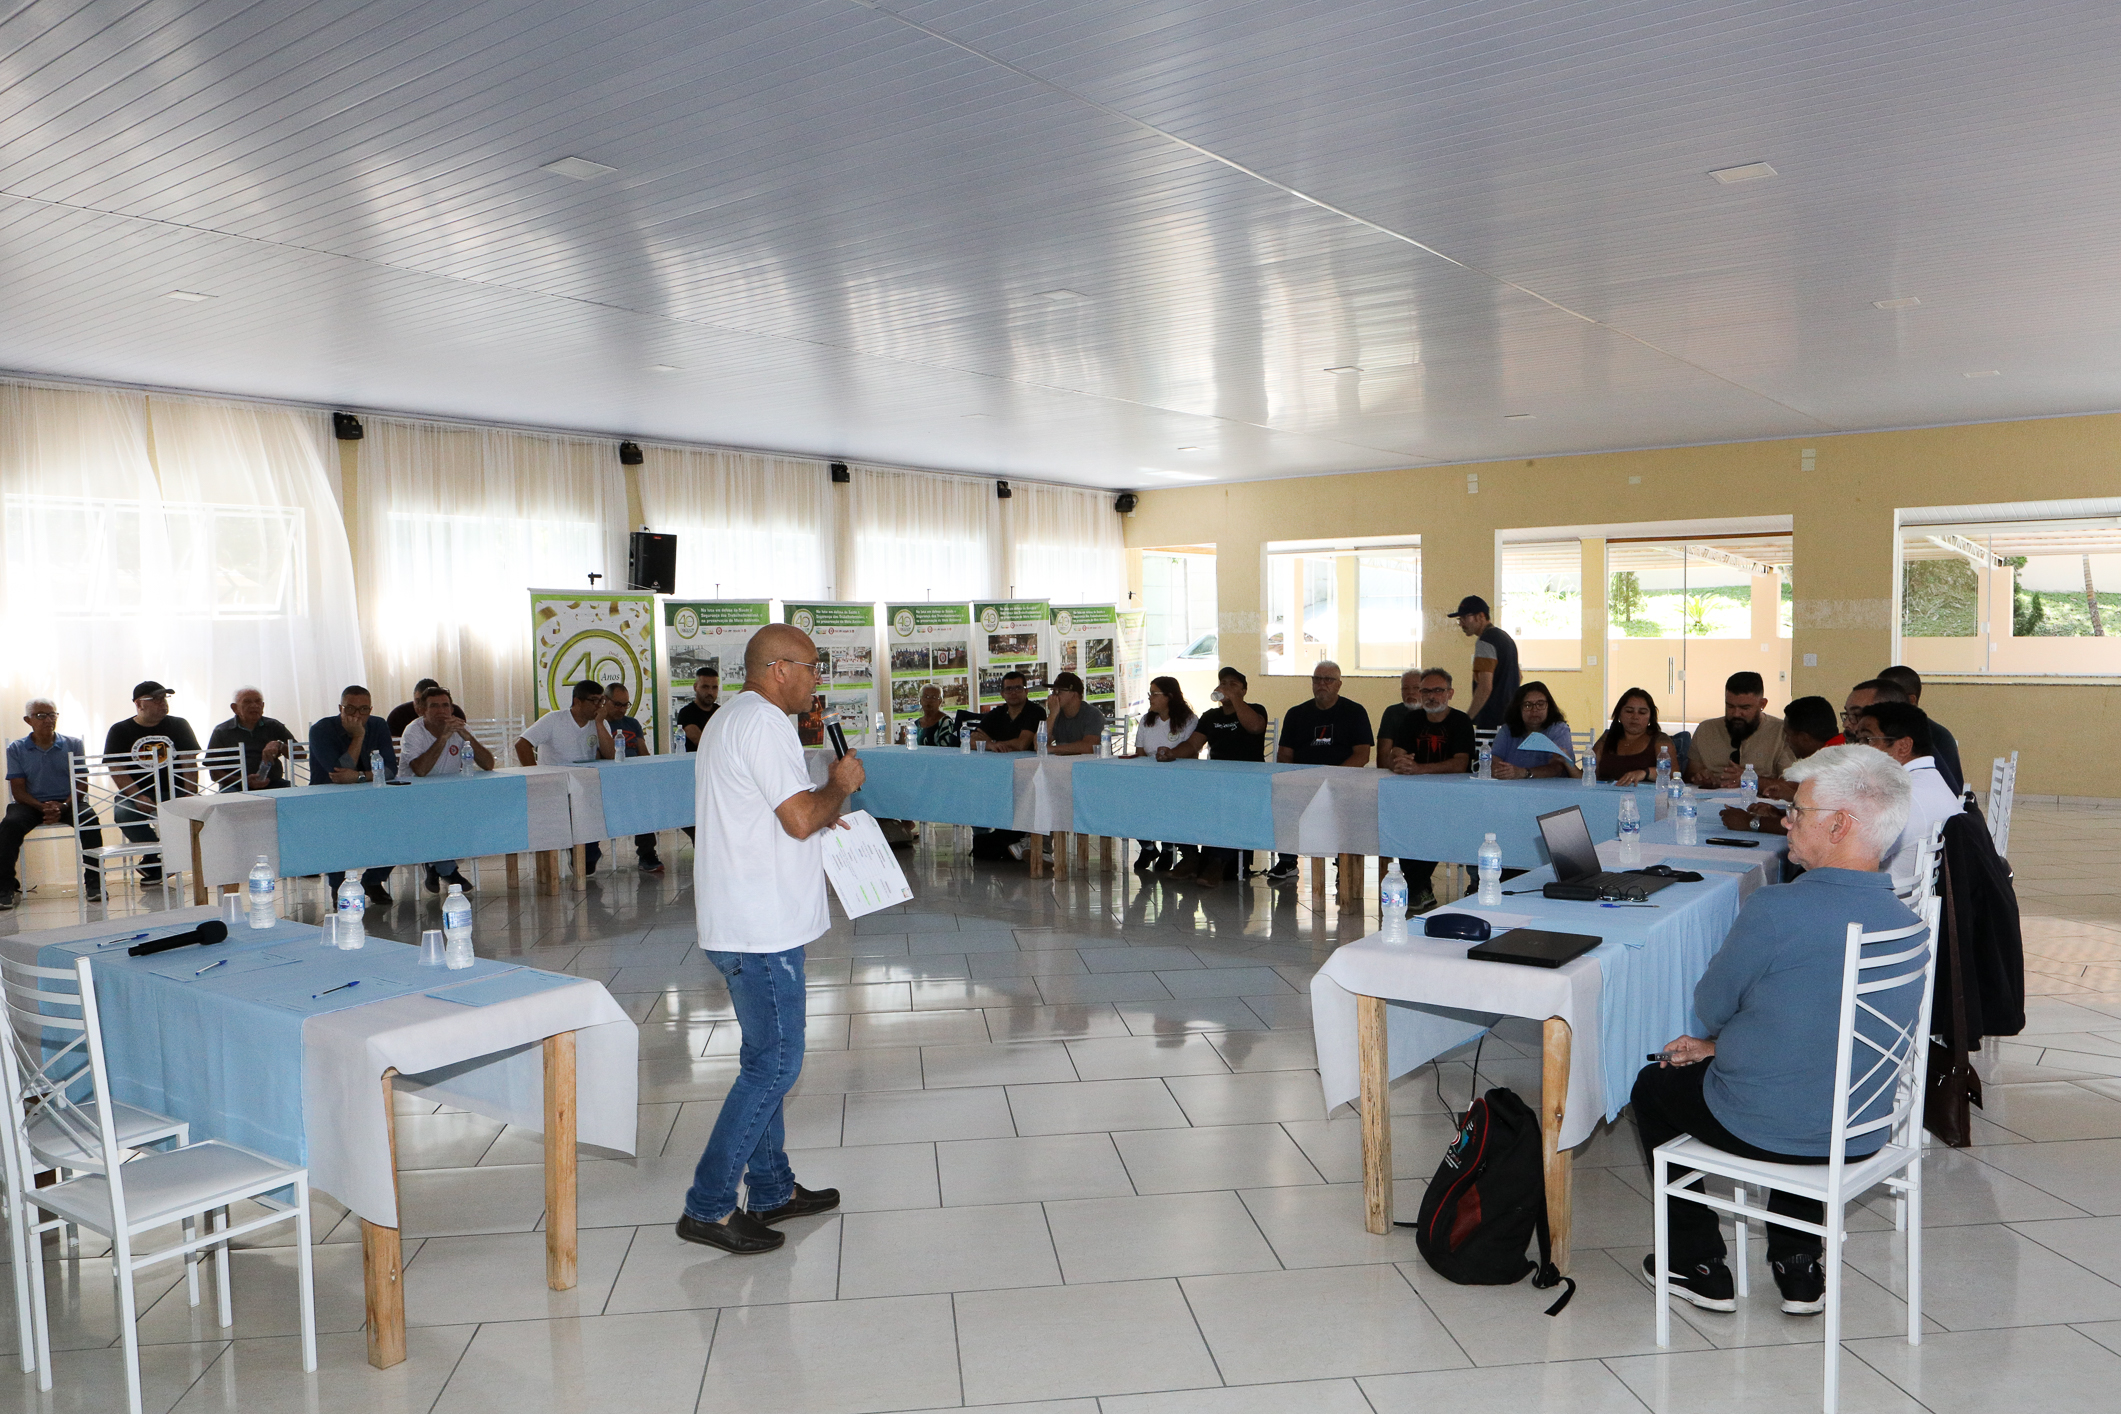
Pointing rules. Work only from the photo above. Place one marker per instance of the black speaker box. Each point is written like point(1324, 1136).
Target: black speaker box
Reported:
point(652, 562)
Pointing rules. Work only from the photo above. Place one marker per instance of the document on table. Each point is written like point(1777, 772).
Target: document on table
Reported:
point(864, 873)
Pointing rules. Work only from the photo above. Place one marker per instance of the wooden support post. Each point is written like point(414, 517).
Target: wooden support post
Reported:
point(548, 863)
point(1318, 882)
point(1372, 1061)
point(1035, 852)
point(560, 1204)
point(511, 873)
point(1082, 853)
point(1351, 881)
point(382, 1260)
point(198, 867)
point(1060, 854)
point(581, 867)
point(1104, 854)
point(1559, 1162)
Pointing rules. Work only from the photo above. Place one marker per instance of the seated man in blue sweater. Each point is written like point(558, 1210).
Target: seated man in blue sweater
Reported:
point(1762, 1086)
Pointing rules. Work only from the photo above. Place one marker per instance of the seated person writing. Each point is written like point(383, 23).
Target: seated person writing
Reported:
point(1807, 725)
point(1761, 1085)
point(1532, 710)
point(1745, 735)
point(1627, 750)
point(1073, 726)
point(437, 743)
point(1010, 724)
point(340, 749)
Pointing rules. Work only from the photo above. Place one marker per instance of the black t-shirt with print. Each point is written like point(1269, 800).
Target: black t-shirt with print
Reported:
point(1411, 729)
point(1326, 736)
point(128, 734)
point(1227, 738)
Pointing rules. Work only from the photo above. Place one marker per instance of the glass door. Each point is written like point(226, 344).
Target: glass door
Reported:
point(1684, 615)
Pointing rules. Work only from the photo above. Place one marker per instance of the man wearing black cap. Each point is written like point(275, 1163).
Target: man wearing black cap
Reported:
point(1495, 675)
point(152, 736)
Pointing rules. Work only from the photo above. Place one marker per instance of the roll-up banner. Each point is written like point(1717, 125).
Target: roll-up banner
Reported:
point(1134, 661)
point(924, 644)
point(845, 635)
point(1011, 635)
point(1086, 643)
point(592, 636)
point(709, 634)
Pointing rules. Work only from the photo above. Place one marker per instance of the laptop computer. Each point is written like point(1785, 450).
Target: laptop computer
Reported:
point(1533, 947)
point(1576, 858)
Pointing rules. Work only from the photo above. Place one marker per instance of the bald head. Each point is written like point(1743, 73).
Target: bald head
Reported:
point(780, 664)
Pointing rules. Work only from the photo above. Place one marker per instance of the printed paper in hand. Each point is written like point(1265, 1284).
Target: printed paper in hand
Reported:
point(864, 873)
point(1540, 741)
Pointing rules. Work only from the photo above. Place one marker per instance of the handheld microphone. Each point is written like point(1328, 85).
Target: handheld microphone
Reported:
point(213, 930)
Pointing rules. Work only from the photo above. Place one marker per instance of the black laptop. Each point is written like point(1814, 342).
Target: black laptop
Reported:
point(1576, 858)
point(1533, 947)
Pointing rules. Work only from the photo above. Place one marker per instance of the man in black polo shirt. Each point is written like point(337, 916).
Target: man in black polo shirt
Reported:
point(1012, 724)
point(1326, 731)
point(1495, 674)
point(1233, 731)
point(1428, 738)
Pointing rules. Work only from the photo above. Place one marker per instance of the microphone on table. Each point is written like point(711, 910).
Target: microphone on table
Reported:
point(213, 930)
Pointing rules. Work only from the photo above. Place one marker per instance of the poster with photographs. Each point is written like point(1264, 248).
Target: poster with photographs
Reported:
point(1086, 643)
point(711, 634)
point(929, 645)
point(1011, 635)
point(845, 635)
point(1134, 661)
point(603, 637)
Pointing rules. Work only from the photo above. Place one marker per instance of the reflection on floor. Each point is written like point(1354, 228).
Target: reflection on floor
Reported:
point(1086, 1170)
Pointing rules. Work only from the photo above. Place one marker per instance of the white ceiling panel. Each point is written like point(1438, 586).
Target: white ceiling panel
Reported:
point(1066, 239)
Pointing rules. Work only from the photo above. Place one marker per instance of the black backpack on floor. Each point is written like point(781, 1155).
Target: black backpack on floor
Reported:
point(1488, 1201)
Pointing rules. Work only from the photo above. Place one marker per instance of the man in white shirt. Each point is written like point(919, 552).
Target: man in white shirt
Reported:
point(1903, 733)
point(438, 743)
point(572, 735)
point(759, 885)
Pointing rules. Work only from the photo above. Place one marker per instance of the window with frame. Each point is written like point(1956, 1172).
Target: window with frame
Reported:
point(2022, 594)
point(1358, 604)
point(197, 561)
point(1540, 601)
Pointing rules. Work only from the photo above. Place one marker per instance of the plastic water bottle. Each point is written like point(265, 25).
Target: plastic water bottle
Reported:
point(1588, 763)
point(1630, 831)
point(964, 740)
point(1688, 818)
point(463, 759)
point(883, 729)
point(1392, 902)
point(1748, 788)
point(1490, 871)
point(353, 912)
point(1040, 738)
point(376, 777)
point(1485, 768)
point(264, 894)
point(618, 746)
point(912, 737)
point(456, 927)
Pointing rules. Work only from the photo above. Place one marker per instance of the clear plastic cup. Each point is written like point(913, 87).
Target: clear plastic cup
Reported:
point(431, 950)
point(232, 909)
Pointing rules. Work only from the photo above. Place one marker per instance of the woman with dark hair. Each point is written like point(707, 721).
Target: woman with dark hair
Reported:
point(1533, 710)
point(1161, 736)
point(1627, 752)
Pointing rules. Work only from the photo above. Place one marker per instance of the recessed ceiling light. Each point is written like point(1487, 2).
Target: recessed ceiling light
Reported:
point(1984, 373)
point(1181, 475)
point(579, 168)
point(1904, 302)
point(1519, 416)
point(1060, 296)
point(1750, 172)
point(662, 368)
point(189, 296)
point(1189, 449)
point(1345, 368)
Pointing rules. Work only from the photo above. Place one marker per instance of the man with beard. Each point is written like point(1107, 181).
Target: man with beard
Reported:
point(1745, 735)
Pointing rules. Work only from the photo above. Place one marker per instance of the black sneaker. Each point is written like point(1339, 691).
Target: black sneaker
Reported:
point(1146, 858)
point(1422, 902)
point(8, 899)
point(432, 881)
point(805, 1202)
point(1282, 872)
point(1803, 1284)
point(740, 1233)
point(377, 895)
point(1708, 1286)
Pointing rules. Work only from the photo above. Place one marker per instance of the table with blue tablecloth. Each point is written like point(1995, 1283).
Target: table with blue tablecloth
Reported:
point(1382, 1009)
point(271, 1051)
point(1447, 817)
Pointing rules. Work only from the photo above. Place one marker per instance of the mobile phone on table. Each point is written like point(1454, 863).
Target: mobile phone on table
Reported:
point(1733, 844)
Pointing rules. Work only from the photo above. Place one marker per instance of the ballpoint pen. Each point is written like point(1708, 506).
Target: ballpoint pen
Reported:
point(1631, 905)
point(329, 990)
point(120, 942)
point(210, 967)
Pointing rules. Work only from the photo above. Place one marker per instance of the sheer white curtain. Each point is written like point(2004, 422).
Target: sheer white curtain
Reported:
point(918, 536)
point(457, 526)
point(229, 568)
point(1066, 546)
point(748, 527)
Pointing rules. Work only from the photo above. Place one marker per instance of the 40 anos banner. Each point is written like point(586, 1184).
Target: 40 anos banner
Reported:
point(607, 637)
point(1008, 636)
point(845, 635)
point(1086, 643)
point(709, 635)
point(928, 645)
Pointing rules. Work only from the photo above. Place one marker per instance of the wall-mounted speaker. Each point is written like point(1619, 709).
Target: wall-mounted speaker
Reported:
point(840, 475)
point(630, 454)
point(652, 562)
point(346, 427)
point(1126, 503)
point(1002, 491)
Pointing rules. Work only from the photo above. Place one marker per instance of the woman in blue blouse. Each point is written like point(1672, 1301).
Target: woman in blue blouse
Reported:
point(1533, 710)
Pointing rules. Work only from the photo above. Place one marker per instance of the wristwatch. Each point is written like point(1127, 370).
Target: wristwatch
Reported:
point(1756, 824)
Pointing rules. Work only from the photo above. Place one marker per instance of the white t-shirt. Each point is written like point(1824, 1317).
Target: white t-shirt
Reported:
point(558, 740)
point(1933, 801)
point(1151, 735)
point(756, 888)
point(418, 739)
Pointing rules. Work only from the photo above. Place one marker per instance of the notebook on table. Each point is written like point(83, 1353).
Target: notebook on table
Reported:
point(1533, 947)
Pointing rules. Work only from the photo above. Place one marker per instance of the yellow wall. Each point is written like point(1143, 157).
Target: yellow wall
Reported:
point(1842, 518)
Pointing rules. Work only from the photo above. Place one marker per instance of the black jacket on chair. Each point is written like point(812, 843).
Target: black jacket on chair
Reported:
point(1981, 921)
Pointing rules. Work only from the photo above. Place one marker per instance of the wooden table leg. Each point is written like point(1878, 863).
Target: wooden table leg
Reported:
point(581, 867)
point(1318, 882)
point(1371, 1063)
point(1060, 854)
point(1082, 853)
point(1559, 1162)
point(511, 873)
point(560, 1207)
point(1035, 851)
point(548, 866)
point(382, 1261)
point(198, 866)
point(1104, 854)
point(1351, 881)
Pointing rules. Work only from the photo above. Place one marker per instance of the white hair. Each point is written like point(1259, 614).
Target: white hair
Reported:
point(237, 695)
point(1870, 785)
point(29, 708)
point(1325, 663)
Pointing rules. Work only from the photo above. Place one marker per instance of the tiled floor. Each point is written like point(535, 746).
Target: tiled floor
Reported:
point(1086, 1170)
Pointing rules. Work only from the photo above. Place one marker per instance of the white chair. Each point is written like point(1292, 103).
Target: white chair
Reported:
point(2002, 793)
point(123, 1200)
point(137, 783)
point(1889, 1072)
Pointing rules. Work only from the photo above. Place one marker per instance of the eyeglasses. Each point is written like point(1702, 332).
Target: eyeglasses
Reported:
point(815, 668)
point(44, 716)
point(1796, 812)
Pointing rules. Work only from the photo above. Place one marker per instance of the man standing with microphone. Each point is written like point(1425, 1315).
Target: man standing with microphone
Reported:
point(759, 887)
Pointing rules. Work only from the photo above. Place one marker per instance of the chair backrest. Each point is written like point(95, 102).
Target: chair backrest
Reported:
point(1929, 863)
point(496, 734)
point(1879, 1059)
point(54, 1044)
point(1682, 743)
point(2002, 791)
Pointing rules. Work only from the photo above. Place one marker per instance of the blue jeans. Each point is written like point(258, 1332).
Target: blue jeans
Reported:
point(749, 1137)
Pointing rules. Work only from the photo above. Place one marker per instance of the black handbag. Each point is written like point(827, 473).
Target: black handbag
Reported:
point(1952, 1081)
